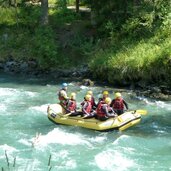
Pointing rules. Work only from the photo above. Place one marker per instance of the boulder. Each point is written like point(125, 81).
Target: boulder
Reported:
point(87, 82)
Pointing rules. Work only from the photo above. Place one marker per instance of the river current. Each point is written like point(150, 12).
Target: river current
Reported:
point(30, 142)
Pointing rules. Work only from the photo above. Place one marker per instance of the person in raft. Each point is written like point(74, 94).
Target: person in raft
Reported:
point(93, 103)
point(71, 104)
point(62, 95)
point(105, 95)
point(104, 111)
point(118, 104)
point(87, 107)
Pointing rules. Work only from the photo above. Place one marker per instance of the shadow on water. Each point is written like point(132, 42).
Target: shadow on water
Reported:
point(33, 80)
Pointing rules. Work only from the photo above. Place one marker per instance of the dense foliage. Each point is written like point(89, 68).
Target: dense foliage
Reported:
point(122, 41)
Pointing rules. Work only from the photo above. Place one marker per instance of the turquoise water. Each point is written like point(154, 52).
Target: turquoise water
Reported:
point(23, 103)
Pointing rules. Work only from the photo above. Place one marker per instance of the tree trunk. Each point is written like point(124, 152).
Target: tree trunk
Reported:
point(77, 3)
point(125, 8)
point(44, 12)
point(9, 3)
point(93, 14)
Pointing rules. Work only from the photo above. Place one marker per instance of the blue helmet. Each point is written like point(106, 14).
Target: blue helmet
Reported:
point(64, 85)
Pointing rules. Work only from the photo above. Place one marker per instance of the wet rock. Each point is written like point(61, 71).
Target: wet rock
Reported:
point(11, 67)
point(32, 64)
point(24, 66)
point(165, 89)
point(1, 66)
point(160, 96)
point(155, 90)
point(87, 82)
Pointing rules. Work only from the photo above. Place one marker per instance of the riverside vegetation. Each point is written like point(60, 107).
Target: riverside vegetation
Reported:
point(122, 42)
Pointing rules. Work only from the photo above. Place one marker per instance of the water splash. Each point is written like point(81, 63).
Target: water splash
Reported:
point(110, 160)
point(58, 136)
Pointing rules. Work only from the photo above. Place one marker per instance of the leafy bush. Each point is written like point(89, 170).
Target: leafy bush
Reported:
point(45, 47)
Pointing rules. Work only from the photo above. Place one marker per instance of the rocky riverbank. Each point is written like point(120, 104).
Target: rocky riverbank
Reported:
point(159, 92)
point(31, 68)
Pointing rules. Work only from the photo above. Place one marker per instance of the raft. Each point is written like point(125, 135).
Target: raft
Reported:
point(57, 115)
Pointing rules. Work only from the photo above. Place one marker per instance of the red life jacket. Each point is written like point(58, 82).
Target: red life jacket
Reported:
point(88, 107)
point(72, 105)
point(99, 110)
point(92, 101)
point(118, 104)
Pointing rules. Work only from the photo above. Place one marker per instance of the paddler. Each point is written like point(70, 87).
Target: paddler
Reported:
point(118, 104)
point(104, 111)
point(62, 95)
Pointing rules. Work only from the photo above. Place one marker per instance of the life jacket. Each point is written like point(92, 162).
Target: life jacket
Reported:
point(118, 104)
point(99, 110)
point(72, 105)
point(88, 107)
point(92, 101)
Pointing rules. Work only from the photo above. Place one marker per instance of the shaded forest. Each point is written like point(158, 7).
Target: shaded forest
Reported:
point(121, 41)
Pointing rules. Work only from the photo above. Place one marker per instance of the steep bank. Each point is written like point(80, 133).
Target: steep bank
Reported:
point(135, 55)
point(139, 62)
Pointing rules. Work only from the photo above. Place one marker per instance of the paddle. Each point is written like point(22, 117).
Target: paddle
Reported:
point(141, 112)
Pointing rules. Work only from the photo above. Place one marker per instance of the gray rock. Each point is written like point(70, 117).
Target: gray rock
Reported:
point(87, 82)
point(1, 66)
point(24, 67)
point(155, 89)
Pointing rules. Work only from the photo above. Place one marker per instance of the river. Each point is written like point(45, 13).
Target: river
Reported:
point(23, 103)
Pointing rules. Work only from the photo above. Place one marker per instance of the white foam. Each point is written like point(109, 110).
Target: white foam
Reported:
point(30, 94)
point(68, 164)
point(83, 87)
point(3, 108)
point(25, 142)
point(60, 137)
point(163, 105)
point(8, 91)
point(7, 148)
point(160, 104)
point(42, 108)
point(120, 138)
point(112, 160)
point(64, 160)
point(98, 139)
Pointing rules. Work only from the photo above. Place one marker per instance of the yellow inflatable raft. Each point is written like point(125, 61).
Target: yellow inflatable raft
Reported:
point(122, 122)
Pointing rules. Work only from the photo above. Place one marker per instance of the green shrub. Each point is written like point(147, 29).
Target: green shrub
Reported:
point(45, 47)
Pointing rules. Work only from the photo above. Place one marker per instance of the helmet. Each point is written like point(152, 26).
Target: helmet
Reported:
point(88, 97)
point(108, 100)
point(89, 92)
point(105, 92)
point(73, 95)
point(117, 94)
point(64, 85)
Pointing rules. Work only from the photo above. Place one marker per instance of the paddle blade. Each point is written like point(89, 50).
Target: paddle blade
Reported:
point(141, 112)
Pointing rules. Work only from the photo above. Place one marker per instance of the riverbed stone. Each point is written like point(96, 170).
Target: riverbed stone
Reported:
point(87, 82)
point(1, 66)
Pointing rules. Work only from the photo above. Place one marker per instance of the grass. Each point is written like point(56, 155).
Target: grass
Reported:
point(147, 59)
